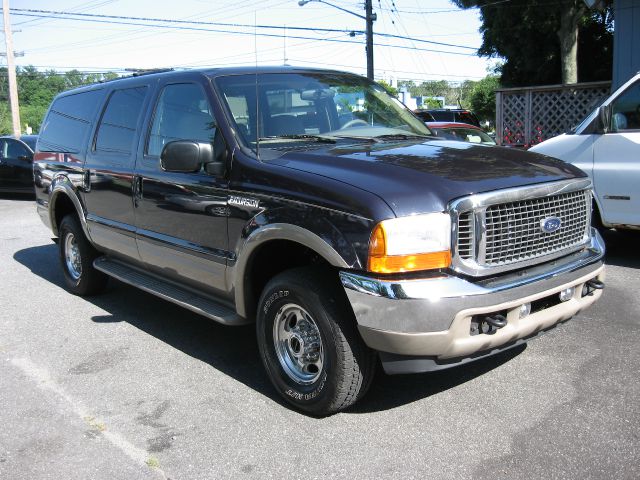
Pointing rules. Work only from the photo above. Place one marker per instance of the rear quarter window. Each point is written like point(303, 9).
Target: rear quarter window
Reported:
point(68, 122)
point(117, 130)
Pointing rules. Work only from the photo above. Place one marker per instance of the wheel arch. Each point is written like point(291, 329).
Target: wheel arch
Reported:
point(596, 214)
point(274, 249)
point(64, 200)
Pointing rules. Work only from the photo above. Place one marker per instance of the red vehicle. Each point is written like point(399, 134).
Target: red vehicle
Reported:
point(460, 131)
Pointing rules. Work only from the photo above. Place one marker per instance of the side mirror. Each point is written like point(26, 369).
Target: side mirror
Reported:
point(185, 156)
point(25, 158)
point(604, 114)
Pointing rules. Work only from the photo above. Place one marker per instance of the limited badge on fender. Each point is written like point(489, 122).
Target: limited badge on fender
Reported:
point(243, 202)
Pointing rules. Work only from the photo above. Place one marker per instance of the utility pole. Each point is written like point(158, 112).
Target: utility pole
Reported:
point(370, 17)
point(11, 70)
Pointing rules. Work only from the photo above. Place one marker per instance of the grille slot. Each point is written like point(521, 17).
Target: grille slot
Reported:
point(513, 233)
point(465, 236)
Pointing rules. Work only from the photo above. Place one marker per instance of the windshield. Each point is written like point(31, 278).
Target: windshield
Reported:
point(315, 106)
point(472, 135)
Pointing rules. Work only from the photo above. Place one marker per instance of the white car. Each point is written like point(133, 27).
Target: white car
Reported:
point(606, 145)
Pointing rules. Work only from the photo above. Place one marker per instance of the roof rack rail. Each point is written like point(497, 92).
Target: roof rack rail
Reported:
point(137, 72)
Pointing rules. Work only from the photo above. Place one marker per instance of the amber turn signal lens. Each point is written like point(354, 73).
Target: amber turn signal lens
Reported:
point(408, 263)
point(377, 245)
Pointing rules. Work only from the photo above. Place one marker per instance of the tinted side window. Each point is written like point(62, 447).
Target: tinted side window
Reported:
point(625, 113)
point(68, 123)
point(425, 116)
point(182, 113)
point(467, 117)
point(117, 130)
point(442, 116)
point(16, 149)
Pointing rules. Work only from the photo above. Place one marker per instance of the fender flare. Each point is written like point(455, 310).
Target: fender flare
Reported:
point(277, 231)
point(61, 185)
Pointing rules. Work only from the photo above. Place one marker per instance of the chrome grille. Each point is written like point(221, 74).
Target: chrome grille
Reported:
point(502, 230)
point(513, 231)
point(465, 235)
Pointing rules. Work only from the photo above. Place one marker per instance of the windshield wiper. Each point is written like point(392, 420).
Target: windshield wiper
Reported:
point(317, 138)
point(400, 136)
point(383, 138)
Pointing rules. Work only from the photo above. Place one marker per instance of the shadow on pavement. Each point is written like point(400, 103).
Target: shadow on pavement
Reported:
point(233, 350)
point(391, 391)
point(27, 197)
point(622, 248)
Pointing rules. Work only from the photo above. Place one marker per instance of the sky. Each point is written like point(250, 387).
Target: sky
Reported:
point(99, 44)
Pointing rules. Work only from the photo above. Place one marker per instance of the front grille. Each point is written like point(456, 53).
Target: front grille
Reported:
point(512, 233)
point(465, 235)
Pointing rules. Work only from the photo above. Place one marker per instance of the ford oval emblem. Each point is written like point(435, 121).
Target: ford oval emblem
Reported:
point(550, 224)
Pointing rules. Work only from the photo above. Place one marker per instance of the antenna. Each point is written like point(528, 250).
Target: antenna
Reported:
point(284, 53)
point(255, 49)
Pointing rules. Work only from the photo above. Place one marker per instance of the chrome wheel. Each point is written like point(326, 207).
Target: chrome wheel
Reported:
point(72, 258)
point(298, 344)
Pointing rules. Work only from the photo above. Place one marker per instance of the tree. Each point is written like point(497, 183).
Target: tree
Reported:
point(393, 91)
point(482, 98)
point(428, 88)
point(540, 41)
point(462, 93)
point(36, 90)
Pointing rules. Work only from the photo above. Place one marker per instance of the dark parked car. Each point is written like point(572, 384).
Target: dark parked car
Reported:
point(16, 167)
point(314, 204)
point(458, 115)
point(460, 131)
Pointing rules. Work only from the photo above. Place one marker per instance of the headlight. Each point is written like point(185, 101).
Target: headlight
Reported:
point(408, 244)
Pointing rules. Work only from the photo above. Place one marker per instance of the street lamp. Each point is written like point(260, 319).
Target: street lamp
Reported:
point(369, 17)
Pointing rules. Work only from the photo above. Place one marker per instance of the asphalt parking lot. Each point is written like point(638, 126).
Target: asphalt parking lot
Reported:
point(127, 386)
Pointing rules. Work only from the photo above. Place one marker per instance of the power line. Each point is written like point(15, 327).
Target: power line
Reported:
point(84, 16)
point(451, 10)
point(173, 27)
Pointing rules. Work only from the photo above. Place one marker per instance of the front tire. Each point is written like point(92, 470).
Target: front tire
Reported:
point(309, 342)
point(77, 256)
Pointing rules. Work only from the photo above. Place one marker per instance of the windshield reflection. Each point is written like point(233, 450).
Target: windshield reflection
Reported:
point(276, 108)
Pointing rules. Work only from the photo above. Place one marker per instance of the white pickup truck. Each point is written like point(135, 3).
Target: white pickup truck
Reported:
point(606, 145)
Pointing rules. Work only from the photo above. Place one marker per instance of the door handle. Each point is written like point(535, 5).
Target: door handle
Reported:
point(137, 190)
point(86, 181)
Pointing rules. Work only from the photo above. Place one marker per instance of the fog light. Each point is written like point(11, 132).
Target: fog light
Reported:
point(566, 294)
point(525, 310)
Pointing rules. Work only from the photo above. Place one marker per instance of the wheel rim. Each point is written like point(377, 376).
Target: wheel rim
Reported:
point(298, 344)
point(72, 258)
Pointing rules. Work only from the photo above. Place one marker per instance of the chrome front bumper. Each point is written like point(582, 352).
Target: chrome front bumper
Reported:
point(432, 316)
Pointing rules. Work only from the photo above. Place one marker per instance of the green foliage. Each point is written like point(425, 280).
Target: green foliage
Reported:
point(5, 118)
point(432, 103)
point(393, 91)
point(36, 90)
point(463, 93)
point(429, 88)
point(482, 98)
point(525, 33)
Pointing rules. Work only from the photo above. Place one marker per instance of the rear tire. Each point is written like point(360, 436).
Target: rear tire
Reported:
point(76, 257)
point(309, 342)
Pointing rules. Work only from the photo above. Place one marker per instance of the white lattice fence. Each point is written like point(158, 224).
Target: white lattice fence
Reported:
point(526, 116)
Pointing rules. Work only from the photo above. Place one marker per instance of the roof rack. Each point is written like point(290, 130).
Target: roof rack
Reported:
point(138, 72)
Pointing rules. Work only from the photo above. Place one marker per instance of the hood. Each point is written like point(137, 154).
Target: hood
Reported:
point(424, 177)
